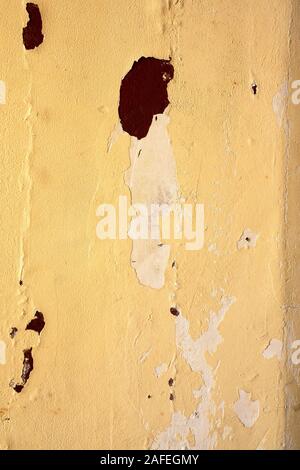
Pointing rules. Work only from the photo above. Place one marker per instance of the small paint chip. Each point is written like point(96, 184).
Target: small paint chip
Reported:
point(174, 311)
point(248, 239)
point(32, 33)
point(171, 397)
point(170, 382)
point(274, 349)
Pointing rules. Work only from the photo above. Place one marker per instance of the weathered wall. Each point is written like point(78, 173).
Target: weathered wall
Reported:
point(103, 361)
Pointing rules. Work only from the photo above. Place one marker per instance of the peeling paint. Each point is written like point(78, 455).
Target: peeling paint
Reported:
point(274, 349)
point(246, 410)
point(26, 370)
point(194, 352)
point(152, 180)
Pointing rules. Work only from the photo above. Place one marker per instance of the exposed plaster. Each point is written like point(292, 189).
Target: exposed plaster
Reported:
point(274, 349)
point(152, 180)
point(247, 410)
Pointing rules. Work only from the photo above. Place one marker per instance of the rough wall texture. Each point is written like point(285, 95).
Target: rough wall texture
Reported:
point(108, 365)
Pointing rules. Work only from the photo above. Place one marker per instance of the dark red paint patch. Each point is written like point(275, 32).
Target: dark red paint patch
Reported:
point(174, 311)
point(32, 33)
point(143, 94)
point(26, 371)
point(37, 323)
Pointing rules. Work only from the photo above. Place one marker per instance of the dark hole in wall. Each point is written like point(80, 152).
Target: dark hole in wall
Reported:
point(254, 88)
point(143, 94)
point(32, 33)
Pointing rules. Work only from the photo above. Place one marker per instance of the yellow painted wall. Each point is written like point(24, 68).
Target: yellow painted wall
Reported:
point(95, 361)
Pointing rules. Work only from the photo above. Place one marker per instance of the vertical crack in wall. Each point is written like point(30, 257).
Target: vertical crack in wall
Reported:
point(27, 178)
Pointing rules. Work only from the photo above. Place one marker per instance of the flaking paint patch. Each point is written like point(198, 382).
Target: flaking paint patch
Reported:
point(248, 239)
point(247, 410)
point(2, 92)
point(2, 352)
point(152, 179)
point(194, 352)
point(274, 349)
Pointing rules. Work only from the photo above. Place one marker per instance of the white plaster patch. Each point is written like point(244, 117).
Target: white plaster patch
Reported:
point(2, 353)
point(2, 92)
point(194, 352)
point(280, 104)
point(274, 349)
point(246, 410)
point(160, 370)
point(248, 239)
point(152, 179)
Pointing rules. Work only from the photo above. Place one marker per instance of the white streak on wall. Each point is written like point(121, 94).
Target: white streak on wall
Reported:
point(2, 92)
point(194, 352)
point(246, 410)
point(2, 352)
point(151, 179)
point(145, 355)
point(274, 349)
